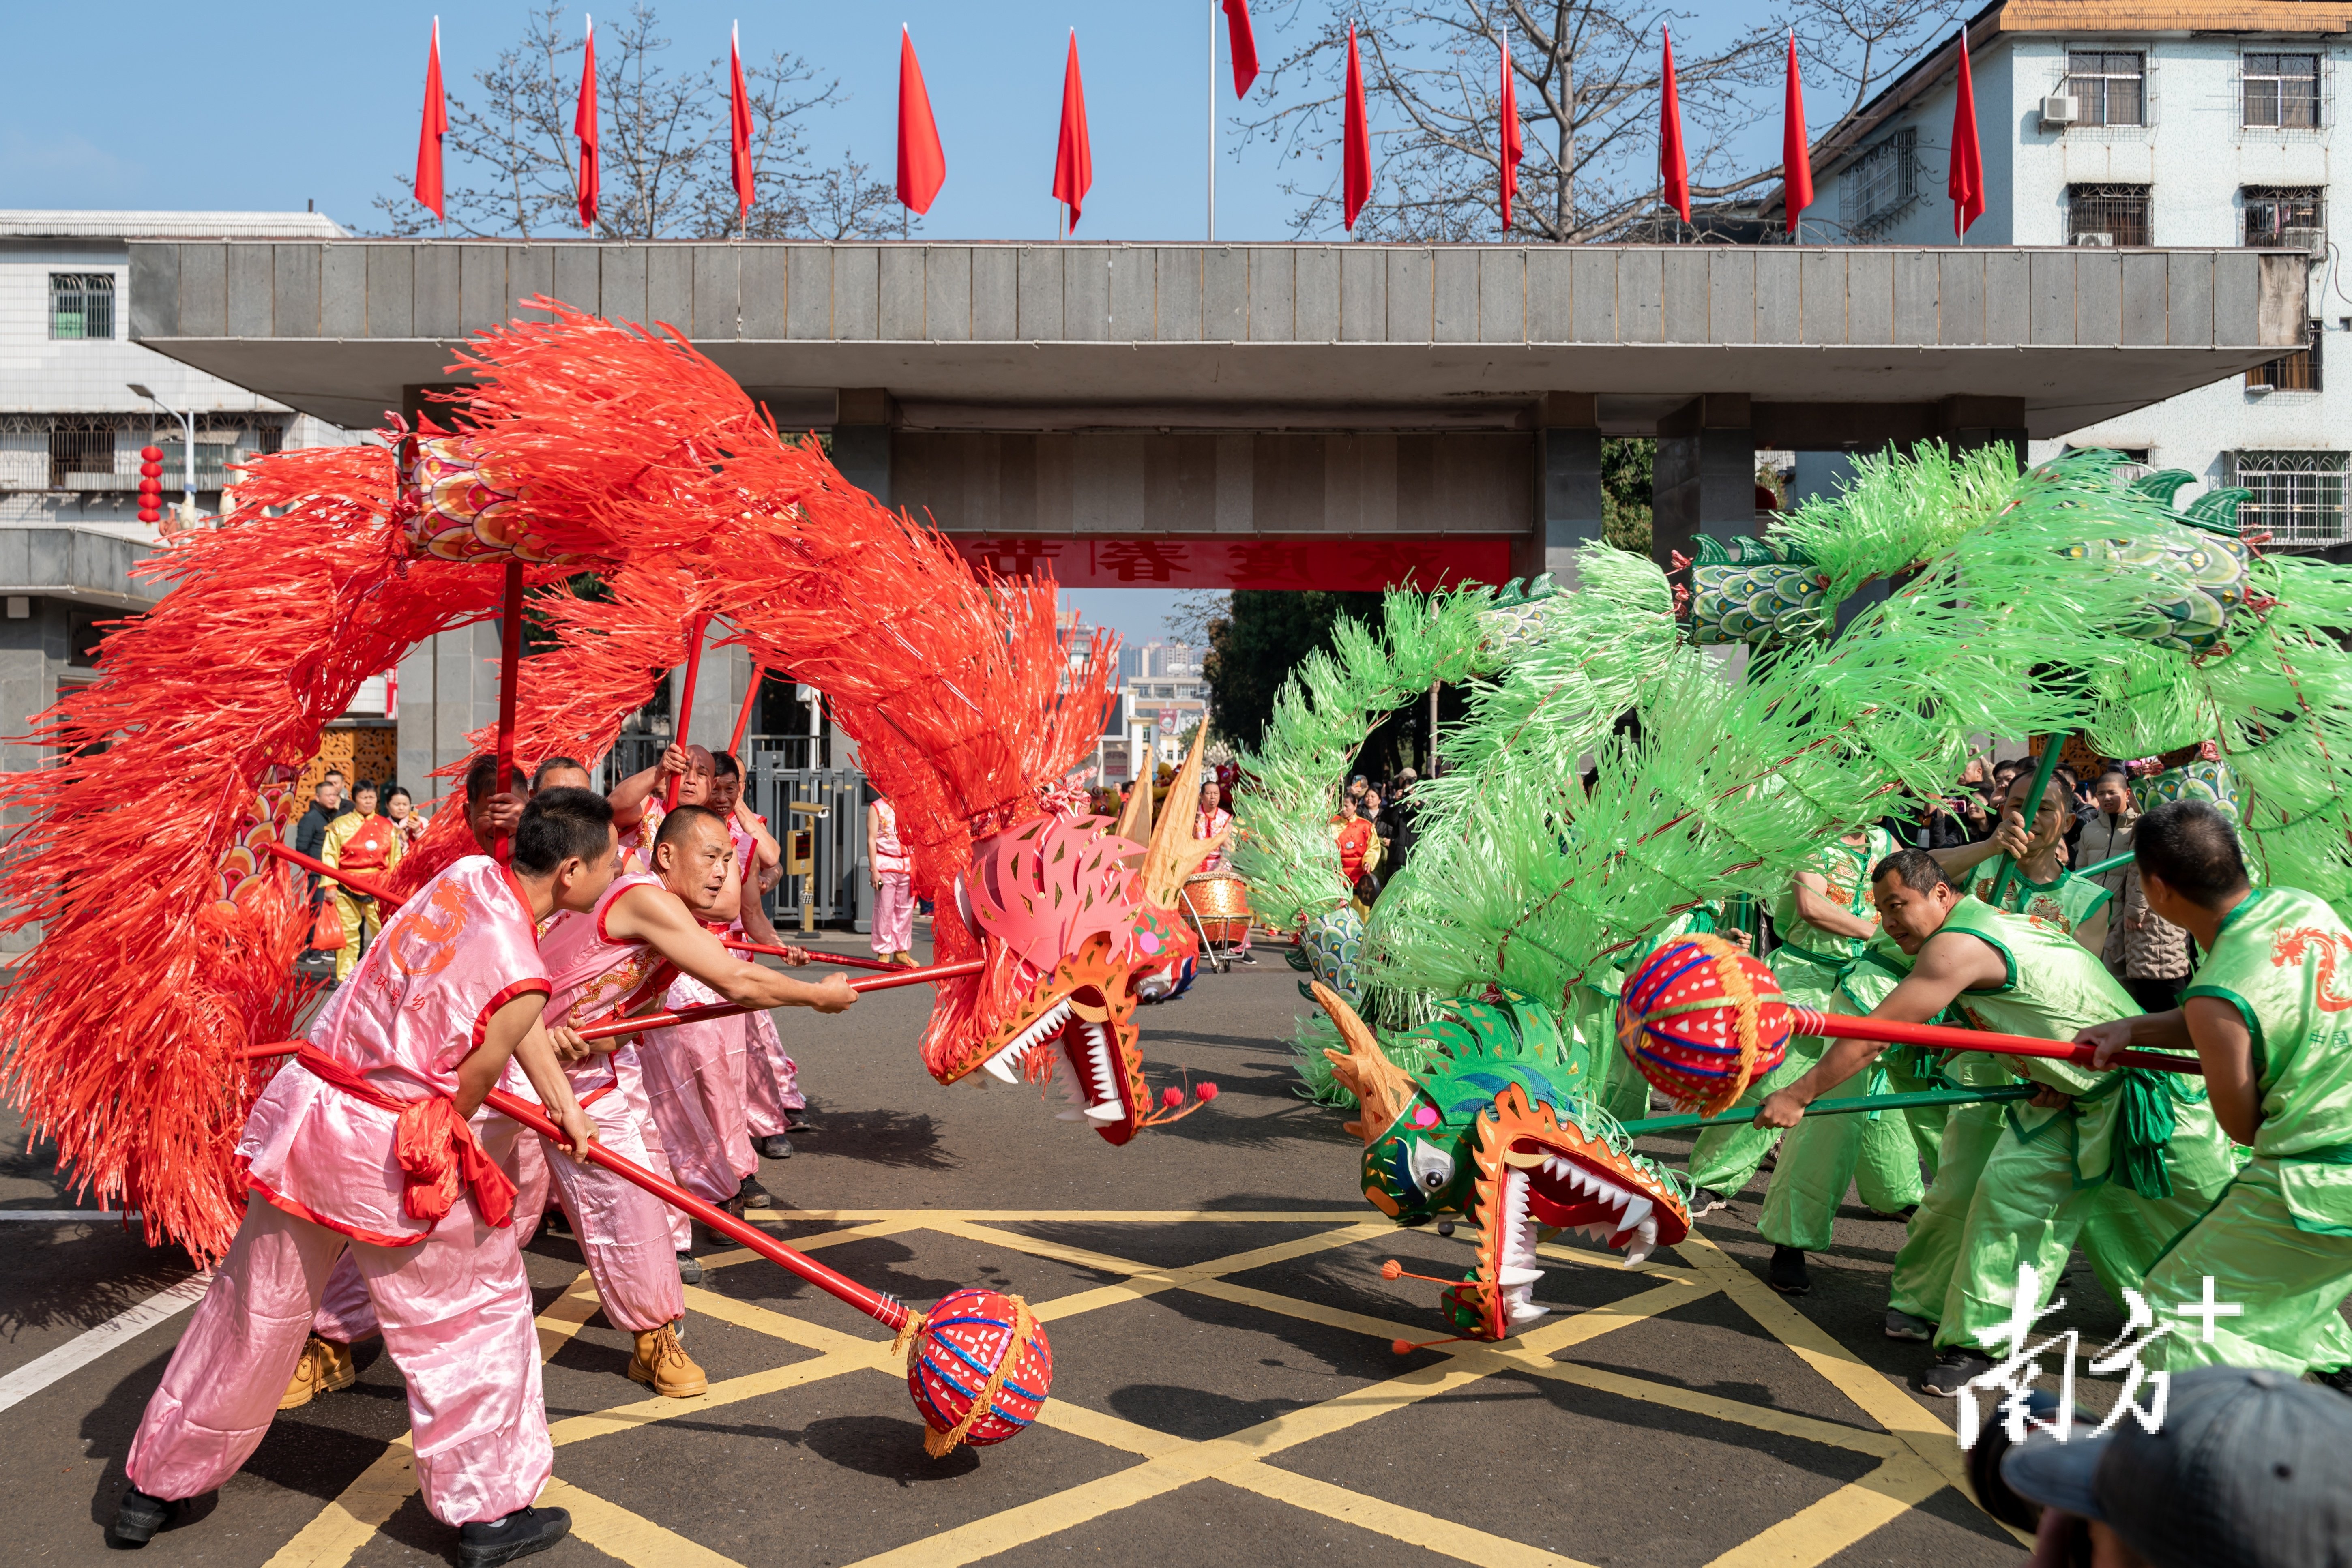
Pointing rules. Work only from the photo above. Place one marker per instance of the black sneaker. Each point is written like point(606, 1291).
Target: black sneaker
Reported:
point(138, 1517)
point(796, 1122)
point(1904, 1326)
point(1954, 1370)
point(751, 1194)
point(775, 1146)
point(1705, 1201)
point(519, 1534)
point(1788, 1275)
point(690, 1268)
point(1248, 958)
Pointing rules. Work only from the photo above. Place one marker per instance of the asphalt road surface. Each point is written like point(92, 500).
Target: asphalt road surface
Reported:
point(1225, 1387)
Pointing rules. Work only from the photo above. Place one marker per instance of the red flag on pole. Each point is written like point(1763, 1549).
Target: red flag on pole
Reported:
point(739, 122)
point(922, 161)
point(1356, 176)
point(1674, 172)
point(1967, 182)
point(583, 125)
point(428, 136)
point(1513, 147)
point(1073, 159)
point(1241, 44)
point(1796, 147)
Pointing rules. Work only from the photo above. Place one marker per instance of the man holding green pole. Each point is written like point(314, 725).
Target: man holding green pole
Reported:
point(2124, 1160)
point(2271, 1020)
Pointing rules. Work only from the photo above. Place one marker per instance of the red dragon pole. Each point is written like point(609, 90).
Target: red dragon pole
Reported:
point(686, 705)
point(743, 719)
point(1842, 1027)
point(509, 679)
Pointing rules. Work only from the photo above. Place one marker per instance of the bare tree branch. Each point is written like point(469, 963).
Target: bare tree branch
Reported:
point(663, 149)
point(1587, 72)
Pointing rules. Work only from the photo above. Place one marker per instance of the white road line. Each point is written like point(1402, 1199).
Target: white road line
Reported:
point(80, 1351)
point(62, 1216)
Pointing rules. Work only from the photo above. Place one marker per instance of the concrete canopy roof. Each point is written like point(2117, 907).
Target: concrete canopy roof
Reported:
point(1017, 336)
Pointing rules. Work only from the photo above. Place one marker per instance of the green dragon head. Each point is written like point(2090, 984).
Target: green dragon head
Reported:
point(1497, 1131)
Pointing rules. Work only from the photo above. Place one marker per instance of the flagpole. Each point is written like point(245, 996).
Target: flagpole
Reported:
point(1212, 121)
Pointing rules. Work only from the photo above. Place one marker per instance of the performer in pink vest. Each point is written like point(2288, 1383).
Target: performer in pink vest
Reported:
point(770, 1088)
point(694, 1073)
point(363, 1144)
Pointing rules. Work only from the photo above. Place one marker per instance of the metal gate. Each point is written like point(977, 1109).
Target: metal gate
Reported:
point(819, 814)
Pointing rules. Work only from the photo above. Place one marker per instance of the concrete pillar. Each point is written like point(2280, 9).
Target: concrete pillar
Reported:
point(1570, 514)
point(718, 692)
point(1970, 424)
point(1704, 481)
point(861, 440)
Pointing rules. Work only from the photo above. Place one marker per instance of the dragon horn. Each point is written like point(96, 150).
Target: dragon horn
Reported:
point(1135, 818)
point(1174, 854)
point(1383, 1088)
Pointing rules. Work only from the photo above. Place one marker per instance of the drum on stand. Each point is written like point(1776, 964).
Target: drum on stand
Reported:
point(1220, 902)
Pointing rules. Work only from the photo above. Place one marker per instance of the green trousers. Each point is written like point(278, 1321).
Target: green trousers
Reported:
point(1824, 1155)
point(2031, 1207)
point(1723, 1158)
point(1931, 1246)
point(2289, 1284)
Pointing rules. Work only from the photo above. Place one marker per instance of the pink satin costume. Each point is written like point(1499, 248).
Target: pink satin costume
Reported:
point(355, 1149)
point(769, 1082)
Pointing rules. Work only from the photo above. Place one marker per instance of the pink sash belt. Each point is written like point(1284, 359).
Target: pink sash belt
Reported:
point(439, 1156)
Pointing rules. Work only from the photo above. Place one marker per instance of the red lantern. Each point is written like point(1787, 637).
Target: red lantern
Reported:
point(150, 470)
point(147, 514)
point(151, 455)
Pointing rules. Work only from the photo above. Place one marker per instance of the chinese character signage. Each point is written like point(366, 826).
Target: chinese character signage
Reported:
point(1335, 562)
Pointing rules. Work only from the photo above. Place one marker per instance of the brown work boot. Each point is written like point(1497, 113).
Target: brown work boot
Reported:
point(324, 1368)
point(662, 1361)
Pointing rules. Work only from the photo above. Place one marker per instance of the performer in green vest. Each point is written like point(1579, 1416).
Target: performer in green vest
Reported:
point(1881, 1154)
point(2124, 1161)
point(1824, 920)
point(2272, 1021)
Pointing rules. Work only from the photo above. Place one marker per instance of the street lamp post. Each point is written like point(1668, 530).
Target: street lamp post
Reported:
point(187, 452)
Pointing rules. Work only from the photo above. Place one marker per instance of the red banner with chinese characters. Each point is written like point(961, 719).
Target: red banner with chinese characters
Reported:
point(1337, 562)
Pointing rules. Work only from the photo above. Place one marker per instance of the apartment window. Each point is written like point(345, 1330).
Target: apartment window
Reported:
point(1883, 180)
point(81, 304)
point(2280, 91)
point(78, 446)
point(2298, 496)
point(2112, 87)
point(2290, 218)
point(2107, 215)
point(2296, 372)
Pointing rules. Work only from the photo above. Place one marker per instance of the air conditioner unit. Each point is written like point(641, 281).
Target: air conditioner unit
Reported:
point(2313, 240)
point(2094, 239)
point(2062, 111)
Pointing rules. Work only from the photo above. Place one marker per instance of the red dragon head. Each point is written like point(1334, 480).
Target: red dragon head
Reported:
point(1068, 926)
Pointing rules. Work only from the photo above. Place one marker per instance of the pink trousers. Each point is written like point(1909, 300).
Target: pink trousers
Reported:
point(771, 1084)
point(695, 1078)
point(894, 914)
point(457, 1315)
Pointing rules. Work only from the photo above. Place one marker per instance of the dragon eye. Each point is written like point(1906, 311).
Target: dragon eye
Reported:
point(1432, 1168)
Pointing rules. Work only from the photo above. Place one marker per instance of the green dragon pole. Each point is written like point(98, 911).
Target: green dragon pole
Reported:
point(2051, 746)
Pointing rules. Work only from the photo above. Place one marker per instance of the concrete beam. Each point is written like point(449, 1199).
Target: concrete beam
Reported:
point(337, 330)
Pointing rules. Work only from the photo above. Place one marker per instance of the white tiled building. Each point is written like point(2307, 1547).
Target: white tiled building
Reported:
point(2171, 122)
point(70, 426)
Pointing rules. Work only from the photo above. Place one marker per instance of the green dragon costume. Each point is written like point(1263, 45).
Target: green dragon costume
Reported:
point(2058, 601)
point(1496, 1126)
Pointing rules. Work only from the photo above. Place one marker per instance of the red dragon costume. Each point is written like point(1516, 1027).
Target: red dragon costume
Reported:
point(167, 939)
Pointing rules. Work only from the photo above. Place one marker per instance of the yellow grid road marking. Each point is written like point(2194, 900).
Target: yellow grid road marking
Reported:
point(1919, 1456)
point(633, 1538)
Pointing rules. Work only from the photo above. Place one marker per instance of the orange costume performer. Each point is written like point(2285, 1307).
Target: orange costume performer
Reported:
point(368, 846)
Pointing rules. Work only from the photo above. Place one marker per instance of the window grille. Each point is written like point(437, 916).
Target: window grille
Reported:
point(2279, 91)
point(2291, 218)
point(79, 447)
point(81, 304)
point(2108, 215)
point(2296, 372)
point(2112, 87)
point(1883, 180)
point(2298, 496)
